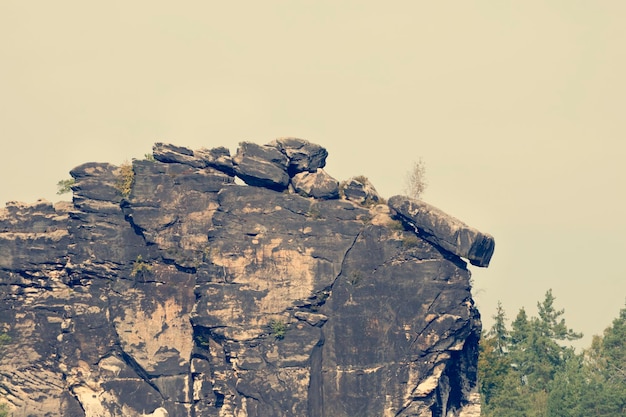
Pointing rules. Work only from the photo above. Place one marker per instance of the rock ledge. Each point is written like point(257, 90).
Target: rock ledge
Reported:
point(166, 289)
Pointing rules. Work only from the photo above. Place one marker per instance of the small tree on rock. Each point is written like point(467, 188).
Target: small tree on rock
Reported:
point(65, 186)
point(416, 180)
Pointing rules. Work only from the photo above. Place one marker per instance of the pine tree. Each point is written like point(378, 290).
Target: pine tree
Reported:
point(567, 389)
point(605, 361)
point(511, 399)
point(536, 348)
point(614, 348)
point(518, 369)
point(493, 362)
point(499, 332)
point(530, 372)
point(520, 328)
point(551, 323)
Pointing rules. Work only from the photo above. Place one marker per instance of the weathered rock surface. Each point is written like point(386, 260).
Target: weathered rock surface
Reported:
point(165, 152)
point(360, 190)
point(303, 155)
point(262, 165)
point(444, 230)
point(316, 184)
point(193, 296)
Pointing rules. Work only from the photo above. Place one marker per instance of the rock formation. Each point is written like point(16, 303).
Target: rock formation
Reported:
point(165, 289)
point(445, 231)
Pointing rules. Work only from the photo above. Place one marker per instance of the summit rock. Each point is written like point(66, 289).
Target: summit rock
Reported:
point(165, 288)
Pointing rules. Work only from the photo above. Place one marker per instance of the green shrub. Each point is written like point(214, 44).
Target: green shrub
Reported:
point(396, 225)
point(140, 267)
point(126, 177)
point(202, 341)
point(65, 186)
point(409, 240)
point(278, 328)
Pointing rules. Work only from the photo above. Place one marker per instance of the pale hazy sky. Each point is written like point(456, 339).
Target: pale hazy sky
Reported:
point(516, 107)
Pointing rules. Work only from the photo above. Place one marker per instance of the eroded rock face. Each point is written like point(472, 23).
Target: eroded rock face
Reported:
point(194, 296)
point(262, 165)
point(444, 230)
point(360, 190)
point(316, 184)
point(303, 155)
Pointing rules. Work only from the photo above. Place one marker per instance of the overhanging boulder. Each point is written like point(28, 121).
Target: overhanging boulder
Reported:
point(261, 166)
point(167, 153)
point(445, 231)
point(303, 155)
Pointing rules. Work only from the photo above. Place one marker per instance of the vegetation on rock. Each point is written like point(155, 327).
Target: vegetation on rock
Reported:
point(125, 180)
point(193, 334)
point(410, 240)
point(140, 267)
point(278, 328)
point(415, 183)
point(65, 186)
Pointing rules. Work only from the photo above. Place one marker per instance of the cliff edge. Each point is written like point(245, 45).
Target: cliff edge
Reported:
point(166, 289)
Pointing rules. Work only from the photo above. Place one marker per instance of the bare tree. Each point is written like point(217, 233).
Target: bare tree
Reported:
point(416, 179)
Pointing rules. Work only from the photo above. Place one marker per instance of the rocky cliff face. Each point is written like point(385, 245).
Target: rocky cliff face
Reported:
point(165, 289)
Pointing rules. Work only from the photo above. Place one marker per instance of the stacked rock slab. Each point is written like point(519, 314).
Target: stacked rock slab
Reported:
point(189, 295)
point(445, 231)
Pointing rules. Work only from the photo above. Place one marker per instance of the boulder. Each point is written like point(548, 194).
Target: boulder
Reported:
point(261, 166)
point(445, 231)
point(218, 158)
point(360, 190)
point(97, 181)
point(303, 155)
point(167, 153)
point(316, 184)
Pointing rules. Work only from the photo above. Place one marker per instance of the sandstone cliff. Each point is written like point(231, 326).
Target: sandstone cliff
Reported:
point(165, 289)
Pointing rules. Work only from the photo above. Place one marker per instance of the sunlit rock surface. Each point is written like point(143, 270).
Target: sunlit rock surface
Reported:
point(193, 296)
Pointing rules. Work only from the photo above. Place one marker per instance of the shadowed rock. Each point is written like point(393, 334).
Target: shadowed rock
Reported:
point(444, 230)
point(191, 295)
point(167, 153)
point(360, 190)
point(316, 184)
point(303, 155)
point(218, 158)
point(262, 166)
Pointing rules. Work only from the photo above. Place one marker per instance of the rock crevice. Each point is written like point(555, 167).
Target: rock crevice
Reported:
point(166, 289)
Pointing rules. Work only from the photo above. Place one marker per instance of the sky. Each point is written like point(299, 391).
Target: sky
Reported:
point(515, 107)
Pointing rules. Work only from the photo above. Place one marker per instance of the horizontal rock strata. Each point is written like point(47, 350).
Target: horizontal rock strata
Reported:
point(166, 289)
